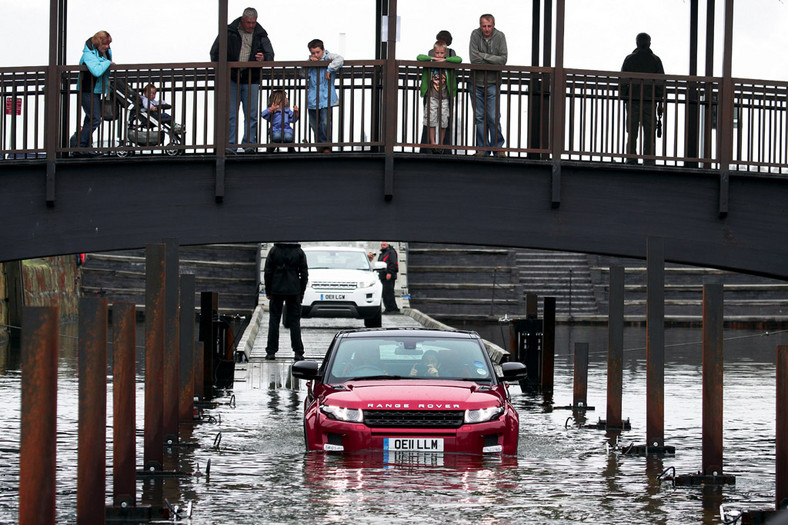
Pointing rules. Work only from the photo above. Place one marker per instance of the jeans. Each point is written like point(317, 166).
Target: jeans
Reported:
point(279, 137)
point(249, 93)
point(487, 117)
point(318, 121)
point(91, 105)
point(293, 304)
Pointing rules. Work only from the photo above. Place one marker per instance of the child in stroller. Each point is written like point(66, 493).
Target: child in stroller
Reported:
point(149, 125)
point(279, 114)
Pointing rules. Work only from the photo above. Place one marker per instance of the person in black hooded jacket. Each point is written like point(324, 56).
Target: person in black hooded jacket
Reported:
point(285, 274)
point(247, 41)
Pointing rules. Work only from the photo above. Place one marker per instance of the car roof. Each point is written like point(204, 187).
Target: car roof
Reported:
point(417, 332)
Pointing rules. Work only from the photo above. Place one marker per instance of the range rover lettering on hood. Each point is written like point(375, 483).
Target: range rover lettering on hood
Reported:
point(442, 406)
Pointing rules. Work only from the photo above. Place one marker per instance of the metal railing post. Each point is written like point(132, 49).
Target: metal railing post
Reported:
point(390, 86)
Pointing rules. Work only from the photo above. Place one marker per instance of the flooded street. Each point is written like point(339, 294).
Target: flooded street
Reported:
point(259, 472)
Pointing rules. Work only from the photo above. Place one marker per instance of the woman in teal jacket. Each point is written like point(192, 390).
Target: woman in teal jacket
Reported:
point(94, 82)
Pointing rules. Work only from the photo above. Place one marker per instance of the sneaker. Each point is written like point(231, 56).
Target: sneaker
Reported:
point(438, 151)
point(480, 154)
point(501, 154)
point(270, 357)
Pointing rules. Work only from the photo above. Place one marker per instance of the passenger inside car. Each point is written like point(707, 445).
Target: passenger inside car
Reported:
point(429, 366)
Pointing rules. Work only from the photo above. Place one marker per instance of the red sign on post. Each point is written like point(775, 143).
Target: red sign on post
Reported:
point(9, 105)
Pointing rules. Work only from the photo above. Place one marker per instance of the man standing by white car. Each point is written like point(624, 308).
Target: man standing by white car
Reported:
point(388, 276)
point(286, 275)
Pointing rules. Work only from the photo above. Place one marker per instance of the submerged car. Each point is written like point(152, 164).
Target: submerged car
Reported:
point(343, 282)
point(415, 390)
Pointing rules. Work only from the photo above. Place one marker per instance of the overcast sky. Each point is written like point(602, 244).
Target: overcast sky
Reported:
point(599, 33)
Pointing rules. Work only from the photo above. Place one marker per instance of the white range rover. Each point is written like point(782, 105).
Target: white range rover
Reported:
point(343, 283)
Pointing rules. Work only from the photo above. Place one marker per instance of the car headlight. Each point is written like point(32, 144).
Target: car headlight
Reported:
point(367, 282)
point(353, 415)
point(483, 414)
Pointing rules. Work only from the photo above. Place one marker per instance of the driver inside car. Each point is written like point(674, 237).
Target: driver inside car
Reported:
point(429, 366)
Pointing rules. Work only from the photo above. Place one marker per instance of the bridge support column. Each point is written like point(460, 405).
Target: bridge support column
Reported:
point(186, 358)
point(712, 378)
point(171, 343)
point(124, 413)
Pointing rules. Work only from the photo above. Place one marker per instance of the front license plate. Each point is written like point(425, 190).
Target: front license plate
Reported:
point(332, 297)
point(413, 444)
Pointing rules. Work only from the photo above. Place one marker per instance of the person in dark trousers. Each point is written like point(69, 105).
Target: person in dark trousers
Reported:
point(286, 275)
point(247, 41)
point(642, 98)
point(389, 256)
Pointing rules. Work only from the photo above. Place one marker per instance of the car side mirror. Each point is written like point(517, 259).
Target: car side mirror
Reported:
point(305, 369)
point(513, 371)
point(379, 265)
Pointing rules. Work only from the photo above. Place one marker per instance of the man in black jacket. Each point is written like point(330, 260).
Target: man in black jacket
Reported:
point(642, 98)
point(247, 41)
point(286, 275)
point(388, 276)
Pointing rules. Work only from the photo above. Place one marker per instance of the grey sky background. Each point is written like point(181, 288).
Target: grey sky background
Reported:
point(599, 33)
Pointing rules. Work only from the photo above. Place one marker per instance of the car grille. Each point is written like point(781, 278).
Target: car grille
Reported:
point(328, 285)
point(414, 418)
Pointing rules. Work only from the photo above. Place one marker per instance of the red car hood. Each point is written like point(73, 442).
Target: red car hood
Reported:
point(409, 394)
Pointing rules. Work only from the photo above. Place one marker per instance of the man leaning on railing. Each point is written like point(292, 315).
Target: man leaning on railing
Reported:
point(488, 46)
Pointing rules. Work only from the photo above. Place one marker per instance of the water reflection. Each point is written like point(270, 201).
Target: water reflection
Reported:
point(562, 473)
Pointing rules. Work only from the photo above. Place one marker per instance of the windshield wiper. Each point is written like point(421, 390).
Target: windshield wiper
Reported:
point(381, 376)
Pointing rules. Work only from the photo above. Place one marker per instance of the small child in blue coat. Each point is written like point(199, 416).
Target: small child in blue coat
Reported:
point(281, 117)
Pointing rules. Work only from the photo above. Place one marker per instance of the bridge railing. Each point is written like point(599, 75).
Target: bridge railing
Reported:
point(594, 113)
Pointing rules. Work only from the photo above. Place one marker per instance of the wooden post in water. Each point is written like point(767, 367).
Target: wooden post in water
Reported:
point(782, 425)
point(124, 412)
point(92, 433)
point(712, 378)
point(580, 397)
point(186, 358)
point(154, 357)
point(615, 347)
point(199, 370)
point(548, 346)
point(209, 306)
point(655, 343)
point(39, 416)
point(171, 344)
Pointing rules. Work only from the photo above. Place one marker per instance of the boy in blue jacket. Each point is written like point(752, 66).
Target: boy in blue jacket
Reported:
point(321, 93)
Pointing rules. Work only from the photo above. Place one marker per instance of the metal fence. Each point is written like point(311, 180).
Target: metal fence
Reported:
point(594, 126)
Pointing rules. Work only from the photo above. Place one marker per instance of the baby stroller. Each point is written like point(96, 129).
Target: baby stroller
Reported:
point(147, 128)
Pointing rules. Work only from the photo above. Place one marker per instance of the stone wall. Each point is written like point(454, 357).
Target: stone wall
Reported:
point(52, 281)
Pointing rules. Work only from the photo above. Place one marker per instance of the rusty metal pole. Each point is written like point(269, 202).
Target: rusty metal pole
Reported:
point(153, 457)
point(209, 306)
point(580, 392)
point(712, 378)
point(124, 411)
point(39, 416)
point(726, 107)
point(782, 425)
point(655, 342)
point(615, 347)
point(171, 343)
point(92, 427)
point(548, 347)
point(186, 360)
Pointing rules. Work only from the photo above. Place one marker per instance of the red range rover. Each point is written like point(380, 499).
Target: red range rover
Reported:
point(414, 390)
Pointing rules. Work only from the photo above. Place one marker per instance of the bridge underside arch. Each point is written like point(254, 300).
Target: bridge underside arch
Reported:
point(604, 209)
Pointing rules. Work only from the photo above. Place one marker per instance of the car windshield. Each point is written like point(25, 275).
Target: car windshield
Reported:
point(409, 357)
point(337, 260)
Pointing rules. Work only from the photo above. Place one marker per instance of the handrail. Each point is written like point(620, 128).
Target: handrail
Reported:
point(593, 124)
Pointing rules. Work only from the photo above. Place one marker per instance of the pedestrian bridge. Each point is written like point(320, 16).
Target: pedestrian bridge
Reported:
point(716, 190)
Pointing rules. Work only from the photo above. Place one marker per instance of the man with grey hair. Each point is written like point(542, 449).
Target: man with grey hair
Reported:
point(642, 97)
point(247, 41)
point(488, 46)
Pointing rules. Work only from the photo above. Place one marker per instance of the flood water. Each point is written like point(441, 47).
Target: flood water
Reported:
point(259, 472)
